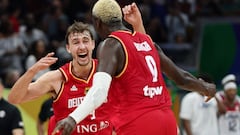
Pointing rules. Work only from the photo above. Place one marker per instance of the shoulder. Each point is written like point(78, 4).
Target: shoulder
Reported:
point(110, 40)
point(110, 43)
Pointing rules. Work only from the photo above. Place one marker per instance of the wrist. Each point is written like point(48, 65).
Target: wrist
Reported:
point(72, 119)
point(32, 70)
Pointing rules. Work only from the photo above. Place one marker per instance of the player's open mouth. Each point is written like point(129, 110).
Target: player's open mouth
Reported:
point(82, 56)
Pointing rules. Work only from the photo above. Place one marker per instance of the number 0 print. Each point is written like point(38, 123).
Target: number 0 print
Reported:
point(152, 67)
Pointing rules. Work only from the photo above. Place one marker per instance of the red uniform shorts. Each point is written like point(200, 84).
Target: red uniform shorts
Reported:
point(156, 122)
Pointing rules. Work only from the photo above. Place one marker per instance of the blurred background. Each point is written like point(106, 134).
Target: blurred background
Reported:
point(200, 36)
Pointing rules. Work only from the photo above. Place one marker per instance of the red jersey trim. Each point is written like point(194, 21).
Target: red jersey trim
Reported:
point(125, 50)
point(151, 39)
point(124, 31)
point(134, 33)
point(72, 75)
point(64, 74)
point(60, 93)
point(79, 79)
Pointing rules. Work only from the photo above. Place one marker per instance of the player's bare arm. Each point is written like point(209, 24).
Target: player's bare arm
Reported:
point(49, 83)
point(133, 16)
point(112, 65)
point(184, 79)
point(24, 90)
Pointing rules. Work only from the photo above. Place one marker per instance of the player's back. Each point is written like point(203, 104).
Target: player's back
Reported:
point(140, 87)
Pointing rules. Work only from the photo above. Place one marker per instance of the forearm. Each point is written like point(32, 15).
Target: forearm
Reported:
point(20, 88)
point(94, 98)
point(139, 27)
point(180, 77)
point(189, 82)
point(133, 16)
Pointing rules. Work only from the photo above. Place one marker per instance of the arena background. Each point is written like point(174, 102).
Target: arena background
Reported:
point(216, 52)
point(219, 47)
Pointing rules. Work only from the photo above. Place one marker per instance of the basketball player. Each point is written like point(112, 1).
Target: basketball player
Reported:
point(229, 121)
point(69, 84)
point(133, 65)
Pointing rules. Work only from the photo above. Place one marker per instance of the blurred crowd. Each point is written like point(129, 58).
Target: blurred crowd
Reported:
point(29, 29)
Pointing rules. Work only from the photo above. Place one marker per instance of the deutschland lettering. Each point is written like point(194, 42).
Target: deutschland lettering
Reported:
point(75, 102)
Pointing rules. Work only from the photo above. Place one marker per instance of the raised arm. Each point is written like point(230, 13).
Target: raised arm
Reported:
point(133, 16)
point(184, 79)
point(25, 90)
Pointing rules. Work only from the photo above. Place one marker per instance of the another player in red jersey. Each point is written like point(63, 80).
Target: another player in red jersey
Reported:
point(71, 95)
point(132, 66)
point(67, 85)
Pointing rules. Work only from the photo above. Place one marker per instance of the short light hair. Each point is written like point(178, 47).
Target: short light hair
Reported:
point(108, 11)
point(78, 27)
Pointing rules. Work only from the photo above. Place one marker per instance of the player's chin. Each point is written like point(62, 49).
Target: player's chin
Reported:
point(83, 61)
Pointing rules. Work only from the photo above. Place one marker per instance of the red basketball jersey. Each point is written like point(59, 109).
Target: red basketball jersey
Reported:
point(140, 87)
point(71, 95)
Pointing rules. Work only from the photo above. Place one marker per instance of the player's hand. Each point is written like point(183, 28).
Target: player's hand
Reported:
point(132, 14)
point(65, 126)
point(210, 89)
point(44, 62)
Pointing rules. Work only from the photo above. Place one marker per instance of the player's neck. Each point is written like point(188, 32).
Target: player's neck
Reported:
point(82, 72)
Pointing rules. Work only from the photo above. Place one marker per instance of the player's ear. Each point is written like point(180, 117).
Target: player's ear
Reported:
point(67, 48)
point(96, 22)
point(94, 44)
